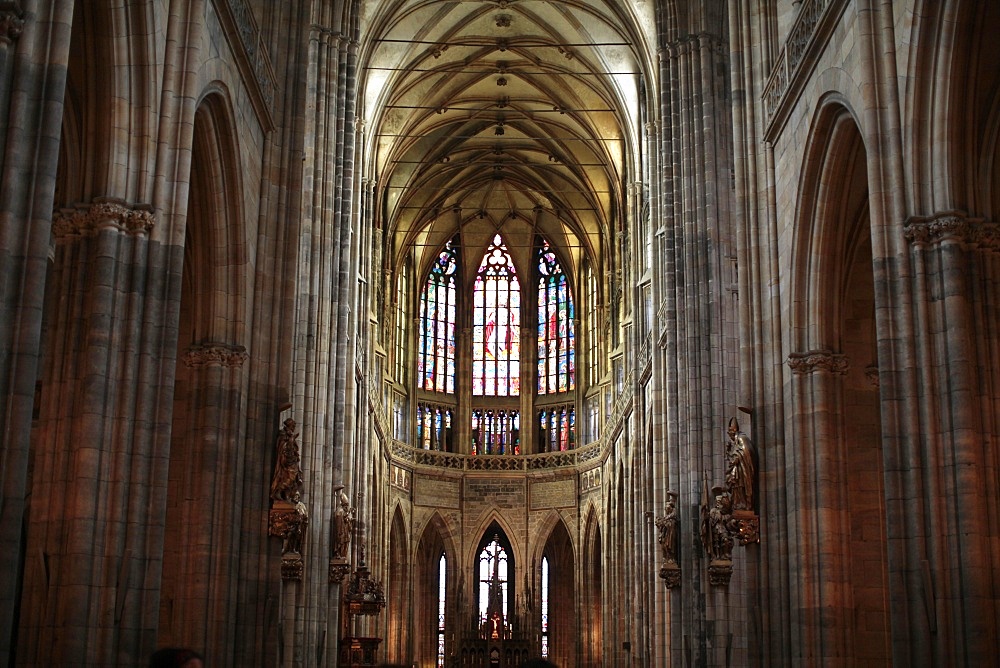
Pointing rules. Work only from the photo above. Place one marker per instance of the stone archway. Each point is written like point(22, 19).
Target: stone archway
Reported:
point(837, 467)
point(203, 524)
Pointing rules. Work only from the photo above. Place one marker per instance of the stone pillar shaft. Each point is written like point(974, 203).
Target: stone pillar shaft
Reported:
point(34, 49)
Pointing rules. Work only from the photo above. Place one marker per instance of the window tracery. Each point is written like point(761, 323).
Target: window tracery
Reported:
point(436, 356)
point(496, 330)
point(474, 327)
point(494, 575)
point(556, 335)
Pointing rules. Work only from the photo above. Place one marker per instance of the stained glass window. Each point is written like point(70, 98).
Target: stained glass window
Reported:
point(442, 569)
point(402, 314)
point(557, 428)
point(434, 427)
point(556, 354)
point(593, 324)
point(496, 432)
point(436, 359)
point(496, 332)
point(545, 607)
point(493, 579)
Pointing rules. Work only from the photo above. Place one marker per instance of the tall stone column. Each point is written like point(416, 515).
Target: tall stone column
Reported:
point(326, 324)
point(948, 520)
point(204, 518)
point(822, 590)
point(100, 462)
point(34, 47)
point(697, 330)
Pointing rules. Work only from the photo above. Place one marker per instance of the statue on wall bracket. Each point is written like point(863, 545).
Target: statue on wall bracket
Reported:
point(716, 535)
point(728, 514)
point(344, 521)
point(288, 518)
point(741, 476)
point(666, 525)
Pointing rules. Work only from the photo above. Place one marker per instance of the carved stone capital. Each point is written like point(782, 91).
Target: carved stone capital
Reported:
point(818, 360)
point(871, 375)
point(215, 354)
point(92, 218)
point(952, 226)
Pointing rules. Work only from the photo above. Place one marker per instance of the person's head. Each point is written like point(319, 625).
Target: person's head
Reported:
point(176, 657)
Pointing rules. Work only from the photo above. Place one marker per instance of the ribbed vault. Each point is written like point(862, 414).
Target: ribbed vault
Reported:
point(513, 114)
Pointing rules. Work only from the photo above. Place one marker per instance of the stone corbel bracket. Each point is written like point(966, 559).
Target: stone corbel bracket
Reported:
point(292, 567)
point(339, 569)
point(671, 575)
point(720, 572)
point(745, 527)
point(284, 521)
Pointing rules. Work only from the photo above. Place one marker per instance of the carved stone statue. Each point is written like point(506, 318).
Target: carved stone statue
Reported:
point(741, 467)
point(287, 480)
point(720, 518)
point(296, 528)
point(667, 530)
point(343, 527)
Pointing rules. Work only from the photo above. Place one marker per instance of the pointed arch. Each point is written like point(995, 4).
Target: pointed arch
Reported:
point(203, 529)
point(834, 147)
point(592, 591)
point(833, 320)
point(560, 626)
point(215, 249)
point(435, 540)
point(399, 589)
point(489, 518)
point(496, 572)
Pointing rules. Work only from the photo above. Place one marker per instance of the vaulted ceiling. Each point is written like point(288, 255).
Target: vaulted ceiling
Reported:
point(511, 114)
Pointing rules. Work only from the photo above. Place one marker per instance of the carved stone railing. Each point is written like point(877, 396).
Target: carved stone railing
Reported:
point(644, 354)
point(622, 405)
point(402, 452)
point(814, 19)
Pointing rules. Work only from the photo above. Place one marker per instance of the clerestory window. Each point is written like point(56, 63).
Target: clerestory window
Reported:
point(436, 356)
point(480, 336)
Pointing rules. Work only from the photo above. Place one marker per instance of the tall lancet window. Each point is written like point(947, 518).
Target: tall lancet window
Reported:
point(493, 591)
point(556, 335)
point(436, 358)
point(545, 607)
point(442, 570)
point(496, 333)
